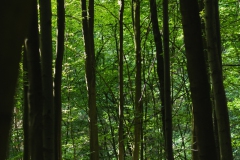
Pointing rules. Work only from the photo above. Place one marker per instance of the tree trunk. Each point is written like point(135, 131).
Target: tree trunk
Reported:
point(203, 23)
point(88, 27)
point(199, 85)
point(159, 56)
point(138, 101)
point(15, 16)
point(58, 77)
point(35, 88)
point(167, 85)
point(121, 98)
point(47, 80)
point(220, 100)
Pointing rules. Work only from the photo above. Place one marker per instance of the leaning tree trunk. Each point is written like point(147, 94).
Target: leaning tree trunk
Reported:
point(90, 66)
point(47, 80)
point(199, 84)
point(15, 16)
point(138, 101)
point(220, 100)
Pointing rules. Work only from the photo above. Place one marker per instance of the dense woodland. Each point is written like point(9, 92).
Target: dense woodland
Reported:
point(120, 80)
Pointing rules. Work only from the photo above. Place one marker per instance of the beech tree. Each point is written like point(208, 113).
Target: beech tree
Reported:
point(138, 98)
point(90, 66)
point(199, 84)
point(15, 22)
point(34, 94)
point(214, 58)
point(58, 78)
point(167, 84)
point(115, 48)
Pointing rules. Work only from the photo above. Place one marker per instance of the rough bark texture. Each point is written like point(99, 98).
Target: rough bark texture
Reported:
point(199, 85)
point(47, 80)
point(90, 66)
point(220, 100)
point(121, 98)
point(58, 77)
point(15, 16)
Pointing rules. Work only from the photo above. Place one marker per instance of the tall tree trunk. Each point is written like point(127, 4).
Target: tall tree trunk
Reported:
point(167, 85)
point(121, 98)
point(88, 28)
point(159, 55)
point(138, 101)
point(199, 84)
point(35, 88)
point(15, 16)
point(220, 100)
point(203, 23)
point(58, 77)
point(47, 80)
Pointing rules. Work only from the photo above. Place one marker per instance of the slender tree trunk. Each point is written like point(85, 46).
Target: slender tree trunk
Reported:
point(121, 98)
point(15, 16)
point(138, 101)
point(58, 77)
point(199, 84)
point(217, 82)
point(167, 85)
point(159, 55)
point(88, 28)
point(47, 80)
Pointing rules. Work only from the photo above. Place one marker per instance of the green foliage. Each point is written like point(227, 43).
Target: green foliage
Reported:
point(75, 123)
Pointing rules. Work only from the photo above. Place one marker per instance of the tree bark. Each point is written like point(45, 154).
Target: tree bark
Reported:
point(121, 98)
point(159, 56)
point(15, 18)
point(47, 80)
point(199, 85)
point(138, 101)
point(167, 85)
point(90, 66)
point(35, 88)
point(220, 100)
point(58, 77)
